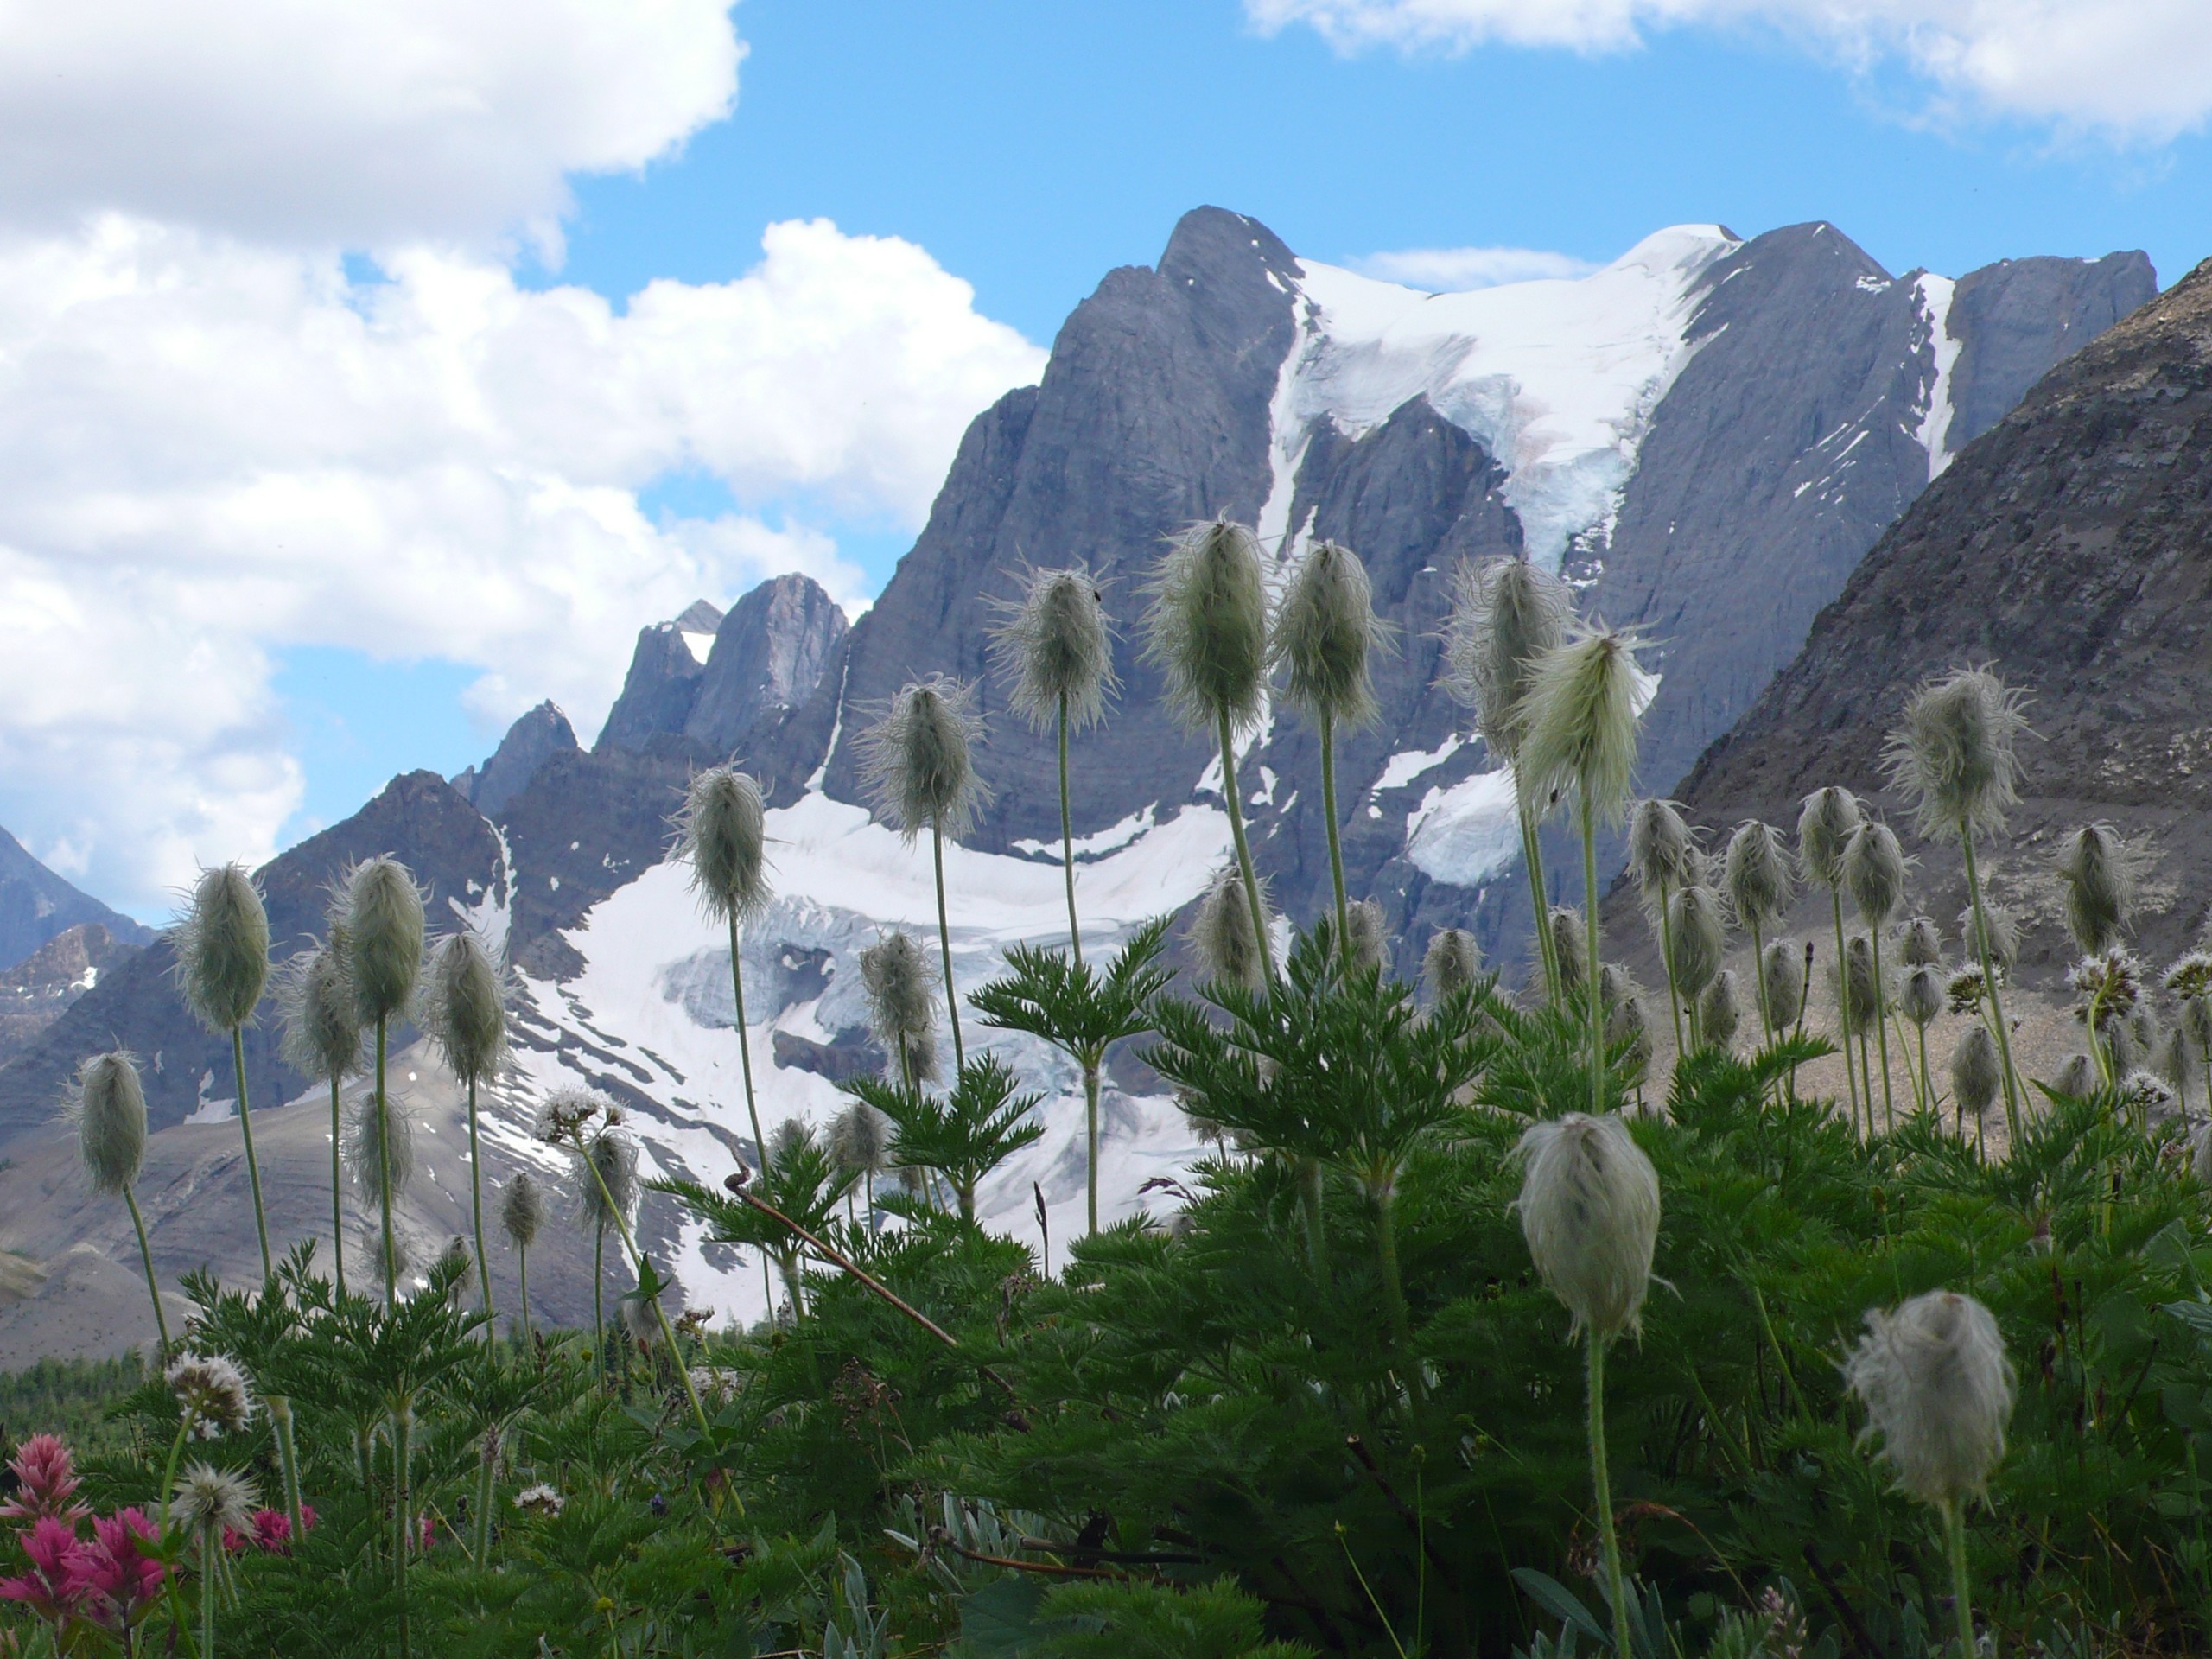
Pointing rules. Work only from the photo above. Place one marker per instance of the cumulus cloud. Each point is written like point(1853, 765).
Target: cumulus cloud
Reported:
point(2133, 71)
point(211, 449)
point(1453, 270)
point(348, 123)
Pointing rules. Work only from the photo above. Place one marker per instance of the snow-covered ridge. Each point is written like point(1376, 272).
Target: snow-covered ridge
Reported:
point(1558, 378)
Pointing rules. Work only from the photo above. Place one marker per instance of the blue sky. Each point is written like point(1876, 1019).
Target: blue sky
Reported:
point(337, 467)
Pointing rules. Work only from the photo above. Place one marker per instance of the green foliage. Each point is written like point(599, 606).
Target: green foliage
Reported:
point(1072, 1005)
point(963, 1134)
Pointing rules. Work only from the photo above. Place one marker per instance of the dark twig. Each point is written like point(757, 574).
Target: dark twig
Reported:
point(1860, 1638)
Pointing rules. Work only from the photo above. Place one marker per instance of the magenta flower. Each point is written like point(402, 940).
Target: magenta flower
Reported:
point(49, 1589)
point(47, 1482)
point(116, 1578)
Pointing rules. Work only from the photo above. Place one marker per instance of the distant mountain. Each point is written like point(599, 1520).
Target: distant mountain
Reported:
point(41, 989)
point(35, 904)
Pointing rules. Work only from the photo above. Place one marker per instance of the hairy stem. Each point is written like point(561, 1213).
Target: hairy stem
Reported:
point(1996, 1005)
point(1882, 1035)
point(384, 1173)
point(1244, 847)
point(1067, 857)
point(337, 1192)
point(1596, 987)
point(1667, 961)
point(476, 1210)
point(153, 1285)
point(1090, 1130)
point(288, 1460)
point(1336, 844)
point(1955, 1545)
point(944, 948)
point(522, 1268)
point(252, 1164)
point(1842, 992)
point(1532, 854)
point(1601, 1480)
point(660, 1314)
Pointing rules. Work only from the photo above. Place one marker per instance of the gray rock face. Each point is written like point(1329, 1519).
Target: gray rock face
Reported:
point(532, 742)
point(768, 655)
point(40, 990)
point(35, 904)
point(663, 682)
point(2013, 320)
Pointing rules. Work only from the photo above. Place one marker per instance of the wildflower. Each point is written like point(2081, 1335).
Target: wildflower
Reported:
point(1937, 1388)
point(108, 1107)
point(2109, 984)
point(380, 910)
point(1570, 949)
point(1207, 628)
point(1057, 646)
point(540, 1500)
point(321, 1036)
point(1363, 936)
point(1589, 1208)
point(2147, 1096)
point(1720, 1009)
point(1975, 1071)
point(522, 1210)
point(1507, 614)
point(1658, 848)
point(1783, 979)
point(45, 1483)
point(211, 1498)
point(717, 1385)
point(114, 1573)
point(2190, 977)
point(1920, 998)
point(222, 950)
point(2097, 876)
point(1825, 827)
point(1757, 876)
point(1697, 936)
point(1222, 932)
point(1451, 964)
point(564, 1114)
point(900, 983)
point(859, 1140)
point(2077, 1078)
point(722, 835)
point(1920, 945)
point(213, 1394)
point(51, 1589)
point(1966, 989)
point(1955, 754)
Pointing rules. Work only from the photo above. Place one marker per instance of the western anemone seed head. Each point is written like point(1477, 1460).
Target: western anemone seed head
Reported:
point(1364, 937)
point(1938, 1391)
point(2196, 1023)
point(1207, 628)
point(1571, 944)
point(859, 1140)
point(2077, 1078)
point(1873, 873)
point(1697, 938)
point(222, 948)
point(1584, 706)
point(1824, 828)
point(108, 1107)
point(1783, 975)
point(2175, 1061)
point(1756, 875)
point(2097, 873)
point(2125, 1044)
point(1451, 964)
point(322, 1025)
point(1589, 1208)
point(1325, 627)
point(722, 834)
point(1920, 943)
point(1221, 933)
point(918, 761)
point(1920, 996)
point(1975, 1073)
point(607, 1176)
point(787, 1140)
point(522, 1209)
point(1955, 757)
point(2002, 935)
point(380, 1143)
point(2190, 977)
point(214, 1499)
point(1658, 845)
point(2111, 984)
point(467, 1009)
point(1720, 1009)
point(542, 1500)
point(566, 1113)
point(1857, 993)
point(455, 1259)
point(1058, 647)
point(381, 923)
point(900, 981)
point(1615, 986)
point(639, 1323)
point(1966, 988)
point(1506, 615)
point(1628, 1027)
point(211, 1394)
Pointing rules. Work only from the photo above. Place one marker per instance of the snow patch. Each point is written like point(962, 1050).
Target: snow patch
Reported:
point(1402, 769)
point(1934, 434)
point(1467, 834)
point(700, 646)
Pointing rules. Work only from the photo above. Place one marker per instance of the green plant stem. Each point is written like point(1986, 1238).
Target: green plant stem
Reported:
point(476, 1210)
point(1596, 987)
point(1244, 847)
point(1309, 1201)
point(660, 1314)
point(1955, 1545)
point(599, 1297)
point(146, 1256)
point(1067, 857)
point(521, 1270)
point(751, 1102)
point(1927, 1077)
point(168, 1473)
point(1996, 1006)
point(1882, 1034)
point(1667, 961)
point(484, 1481)
point(1842, 991)
point(944, 948)
point(288, 1460)
point(1090, 1132)
point(1336, 844)
point(252, 1164)
point(207, 1590)
point(401, 1434)
point(1386, 1250)
point(1601, 1480)
point(337, 1191)
point(1532, 854)
point(1758, 984)
point(384, 1173)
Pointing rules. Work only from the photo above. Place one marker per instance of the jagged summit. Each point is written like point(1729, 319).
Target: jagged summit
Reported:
point(530, 743)
point(36, 905)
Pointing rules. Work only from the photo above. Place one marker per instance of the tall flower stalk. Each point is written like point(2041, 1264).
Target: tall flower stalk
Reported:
point(2097, 875)
point(1873, 869)
point(1325, 629)
point(107, 1105)
point(222, 965)
point(381, 924)
point(322, 1040)
point(468, 1014)
point(1659, 846)
point(522, 1215)
point(1955, 758)
point(1506, 615)
point(920, 766)
point(1207, 630)
point(723, 835)
point(1824, 828)
point(1756, 875)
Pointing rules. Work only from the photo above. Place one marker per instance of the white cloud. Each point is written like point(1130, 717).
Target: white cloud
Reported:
point(348, 123)
point(2136, 71)
point(1453, 271)
point(211, 450)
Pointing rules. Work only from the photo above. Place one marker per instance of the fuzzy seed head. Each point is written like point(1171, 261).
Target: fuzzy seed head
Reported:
point(1583, 708)
point(1824, 828)
point(2077, 1078)
point(211, 1394)
point(1506, 615)
point(1629, 1023)
point(1921, 943)
point(607, 1175)
point(1698, 939)
point(640, 1322)
point(1858, 1000)
point(380, 1144)
point(381, 922)
point(467, 1009)
point(2175, 1061)
point(1955, 757)
point(1966, 988)
point(1756, 875)
point(859, 1140)
point(900, 981)
point(919, 759)
point(1720, 1009)
point(1920, 996)
point(566, 1113)
point(1589, 1208)
point(107, 1106)
point(1058, 648)
point(2191, 978)
point(1571, 944)
point(1324, 628)
point(222, 948)
point(322, 1025)
point(2111, 984)
point(1451, 964)
point(1221, 933)
point(209, 1500)
point(1873, 873)
point(2197, 1024)
point(543, 1500)
point(1938, 1392)
point(522, 1209)
point(1975, 1073)
point(2097, 877)
point(1658, 848)
point(722, 834)
point(1783, 972)
point(1207, 628)
point(1615, 987)
point(787, 1140)
point(2001, 936)
point(1365, 937)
